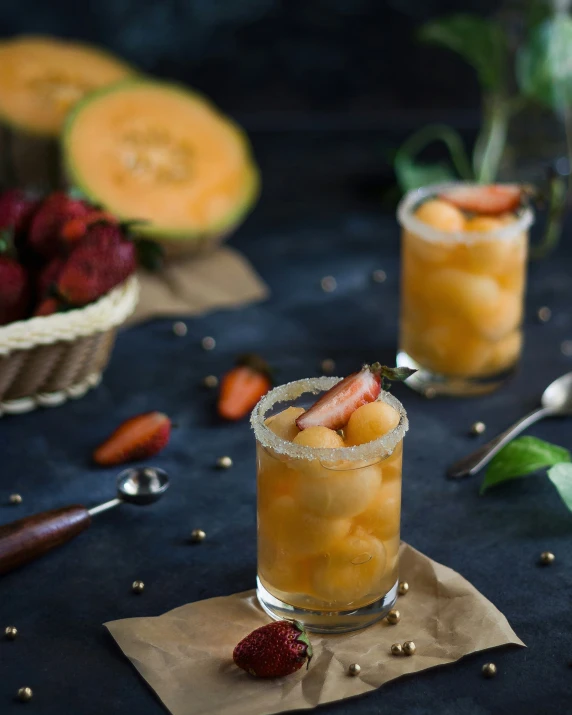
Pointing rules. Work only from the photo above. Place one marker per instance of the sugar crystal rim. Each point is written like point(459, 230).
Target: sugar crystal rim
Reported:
point(409, 202)
point(381, 447)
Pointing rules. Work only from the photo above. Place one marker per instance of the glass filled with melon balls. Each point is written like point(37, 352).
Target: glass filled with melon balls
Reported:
point(464, 255)
point(329, 455)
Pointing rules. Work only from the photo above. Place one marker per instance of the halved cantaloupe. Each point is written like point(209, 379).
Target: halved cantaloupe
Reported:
point(41, 78)
point(163, 154)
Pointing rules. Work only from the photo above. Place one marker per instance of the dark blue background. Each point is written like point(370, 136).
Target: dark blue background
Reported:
point(321, 138)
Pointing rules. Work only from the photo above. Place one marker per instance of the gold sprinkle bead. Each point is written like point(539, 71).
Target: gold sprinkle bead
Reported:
point(11, 632)
point(198, 536)
point(403, 588)
point(328, 366)
point(547, 558)
point(328, 284)
point(397, 649)
point(137, 586)
point(208, 343)
point(544, 314)
point(354, 669)
point(566, 348)
point(393, 617)
point(224, 463)
point(477, 428)
point(15, 499)
point(25, 695)
point(379, 276)
point(409, 648)
point(489, 670)
point(430, 393)
point(180, 329)
point(210, 381)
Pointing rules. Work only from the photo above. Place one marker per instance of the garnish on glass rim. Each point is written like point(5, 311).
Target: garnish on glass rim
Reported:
point(335, 407)
point(527, 455)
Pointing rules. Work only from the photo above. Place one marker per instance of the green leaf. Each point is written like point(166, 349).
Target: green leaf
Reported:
point(544, 63)
point(561, 476)
point(520, 457)
point(481, 42)
point(150, 254)
point(413, 175)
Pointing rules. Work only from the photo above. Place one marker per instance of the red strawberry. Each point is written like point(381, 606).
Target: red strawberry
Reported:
point(335, 407)
point(274, 650)
point(75, 228)
point(14, 285)
point(48, 306)
point(54, 211)
point(16, 209)
point(48, 277)
point(136, 438)
point(243, 386)
point(492, 200)
point(102, 260)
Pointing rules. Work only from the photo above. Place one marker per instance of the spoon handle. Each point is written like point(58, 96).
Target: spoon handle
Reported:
point(26, 539)
point(474, 462)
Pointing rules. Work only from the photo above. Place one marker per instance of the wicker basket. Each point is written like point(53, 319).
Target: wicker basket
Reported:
point(46, 361)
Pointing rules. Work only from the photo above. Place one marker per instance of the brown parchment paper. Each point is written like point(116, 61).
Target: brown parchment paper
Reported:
point(185, 655)
point(189, 286)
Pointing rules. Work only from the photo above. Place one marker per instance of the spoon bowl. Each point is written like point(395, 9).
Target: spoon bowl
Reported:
point(142, 486)
point(558, 395)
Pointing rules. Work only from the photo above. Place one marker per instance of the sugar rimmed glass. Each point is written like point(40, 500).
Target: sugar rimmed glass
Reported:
point(462, 296)
point(328, 519)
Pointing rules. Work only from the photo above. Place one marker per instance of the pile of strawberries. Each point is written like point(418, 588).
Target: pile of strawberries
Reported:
point(57, 253)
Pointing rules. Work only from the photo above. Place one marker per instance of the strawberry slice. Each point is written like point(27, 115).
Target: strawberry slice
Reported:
point(137, 438)
point(335, 407)
point(491, 200)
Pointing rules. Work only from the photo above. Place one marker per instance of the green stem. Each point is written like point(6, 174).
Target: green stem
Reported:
point(491, 141)
point(414, 144)
point(554, 220)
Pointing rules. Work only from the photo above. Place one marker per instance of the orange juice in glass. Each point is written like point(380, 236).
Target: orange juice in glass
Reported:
point(328, 509)
point(462, 286)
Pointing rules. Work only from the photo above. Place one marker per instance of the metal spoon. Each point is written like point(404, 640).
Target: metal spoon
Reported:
point(556, 402)
point(26, 539)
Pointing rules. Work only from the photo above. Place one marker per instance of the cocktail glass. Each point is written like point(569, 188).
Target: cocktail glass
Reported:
point(328, 519)
point(462, 295)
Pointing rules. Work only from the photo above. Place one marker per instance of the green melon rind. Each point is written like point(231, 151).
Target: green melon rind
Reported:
point(216, 230)
point(8, 122)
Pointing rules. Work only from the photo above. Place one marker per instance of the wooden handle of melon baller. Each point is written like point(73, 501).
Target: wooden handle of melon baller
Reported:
point(26, 539)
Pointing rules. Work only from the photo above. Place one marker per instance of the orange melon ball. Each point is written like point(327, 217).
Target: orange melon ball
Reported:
point(370, 422)
point(319, 437)
point(441, 215)
point(284, 423)
point(483, 224)
point(382, 517)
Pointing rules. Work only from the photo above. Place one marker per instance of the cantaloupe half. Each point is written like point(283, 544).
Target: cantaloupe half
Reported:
point(163, 154)
point(41, 78)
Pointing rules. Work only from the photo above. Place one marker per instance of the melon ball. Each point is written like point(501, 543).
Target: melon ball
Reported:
point(391, 467)
point(451, 291)
point(453, 349)
point(483, 224)
point(337, 493)
point(504, 319)
point(418, 251)
point(280, 571)
point(383, 515)
point(298, 532)
point(319, 437)
point(284, 423)
point(351, 571)
point(370, 422)
point(441, 215)
point(505, 352)
point(275, 478)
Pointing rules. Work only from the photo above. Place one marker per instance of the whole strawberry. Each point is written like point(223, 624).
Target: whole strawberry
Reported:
point(274, 650)
point(137, 438)
point(16, 209)
point(99, 262)
point(44, 235)
point(14, 284)
point(47, 277)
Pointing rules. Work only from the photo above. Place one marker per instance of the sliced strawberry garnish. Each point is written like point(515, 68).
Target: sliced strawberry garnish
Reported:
point(492, 200)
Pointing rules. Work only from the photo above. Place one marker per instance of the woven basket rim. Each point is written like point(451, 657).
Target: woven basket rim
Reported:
point(108, 312)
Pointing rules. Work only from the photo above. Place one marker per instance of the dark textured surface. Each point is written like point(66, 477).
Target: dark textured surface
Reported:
point(302, 231)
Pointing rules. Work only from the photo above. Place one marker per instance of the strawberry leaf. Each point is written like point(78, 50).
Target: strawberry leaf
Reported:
point(150, 255)
point(521, 457)
point(561, 476)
